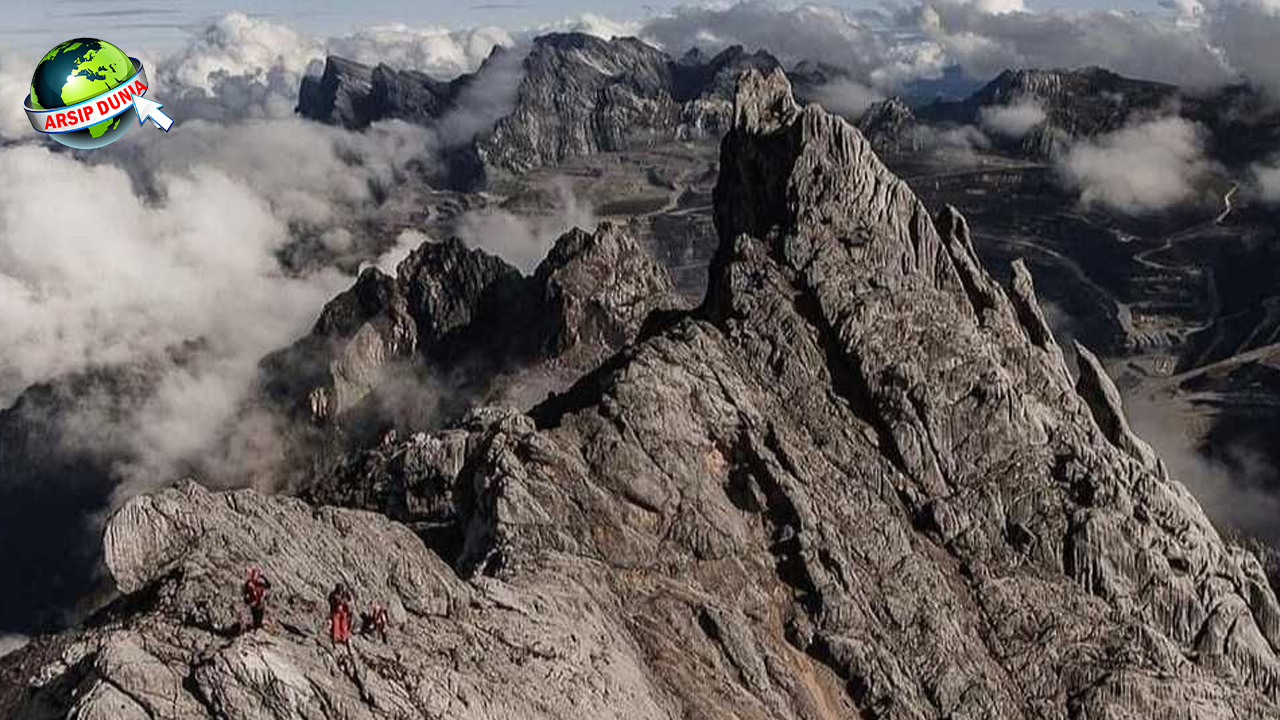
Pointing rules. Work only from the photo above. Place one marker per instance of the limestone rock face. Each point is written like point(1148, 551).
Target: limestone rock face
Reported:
point(581, 95)
point(858, 481)
point(598, 289)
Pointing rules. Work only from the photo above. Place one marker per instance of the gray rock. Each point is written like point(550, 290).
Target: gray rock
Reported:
point(1103, 398)
point(890, 126)
point(857, 482)
point(341, 95)
point(353, 95)
point(581, 95)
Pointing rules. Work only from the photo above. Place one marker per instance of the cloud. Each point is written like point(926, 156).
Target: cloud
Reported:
point(1244, 31)
point(1265, 181)
point(1012, 121)
point(121, 279)
point(237, 45)
point(805, 32)
point(15, 84)
point(306, 173)
point(239, 66)
point(209, 251)
point(846, 97)
point(591, 24)
point(439, 52)
point(1143, 45)
point(1235, 499)
point(1139, 169)
point(12, 643)
point(524, 240)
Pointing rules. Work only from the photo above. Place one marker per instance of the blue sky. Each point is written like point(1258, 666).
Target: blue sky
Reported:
point(34, 26)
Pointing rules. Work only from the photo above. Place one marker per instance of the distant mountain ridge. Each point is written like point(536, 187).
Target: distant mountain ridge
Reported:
point(577, 94)
point(1075, 103)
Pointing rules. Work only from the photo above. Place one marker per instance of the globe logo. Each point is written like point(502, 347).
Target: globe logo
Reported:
point(82, 89)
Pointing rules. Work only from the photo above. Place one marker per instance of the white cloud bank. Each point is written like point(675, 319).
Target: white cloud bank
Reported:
point(1012, 121)
point(1140, 169)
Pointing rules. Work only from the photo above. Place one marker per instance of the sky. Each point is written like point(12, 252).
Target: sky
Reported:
point(161, 25)
point(36, 26)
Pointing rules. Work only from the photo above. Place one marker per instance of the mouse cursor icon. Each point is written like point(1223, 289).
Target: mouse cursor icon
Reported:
point(151, 109)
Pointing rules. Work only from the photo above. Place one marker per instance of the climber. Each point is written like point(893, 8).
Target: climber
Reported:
point(255, 595)
point(340, 614)
point(376, 621)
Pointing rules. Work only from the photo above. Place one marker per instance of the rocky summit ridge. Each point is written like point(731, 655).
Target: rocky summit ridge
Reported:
point(858, 481)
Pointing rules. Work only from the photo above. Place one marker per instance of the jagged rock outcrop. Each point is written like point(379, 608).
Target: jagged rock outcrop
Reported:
point(890, 127)
point(1103, 398)
point(341, 95)
point(857, 482)
point(352, 95)
point(450, 307)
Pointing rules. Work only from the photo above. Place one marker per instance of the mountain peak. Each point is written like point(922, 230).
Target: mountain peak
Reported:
point(784, 169)
point(763, 102)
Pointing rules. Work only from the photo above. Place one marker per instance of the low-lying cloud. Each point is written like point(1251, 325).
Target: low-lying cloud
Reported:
point(1239, 499)
point(12, 643)
point(1012, 121)
point(523, 240)
point(1148, 167)
point(1264, 180)
point(846, 97)
point(119, 279)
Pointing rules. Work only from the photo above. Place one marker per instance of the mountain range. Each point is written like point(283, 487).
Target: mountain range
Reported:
point(858, 480)
point(864, 474)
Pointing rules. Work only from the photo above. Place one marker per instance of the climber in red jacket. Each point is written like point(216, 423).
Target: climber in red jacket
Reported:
point(340, 614)
point(255, 596)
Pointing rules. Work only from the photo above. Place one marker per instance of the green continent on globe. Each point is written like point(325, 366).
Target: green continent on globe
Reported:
point(97, 129)
point(77, 70)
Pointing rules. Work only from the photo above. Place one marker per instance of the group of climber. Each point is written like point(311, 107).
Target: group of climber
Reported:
point(341, 602)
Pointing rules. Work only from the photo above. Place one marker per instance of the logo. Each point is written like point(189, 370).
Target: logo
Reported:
point(83, 88)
